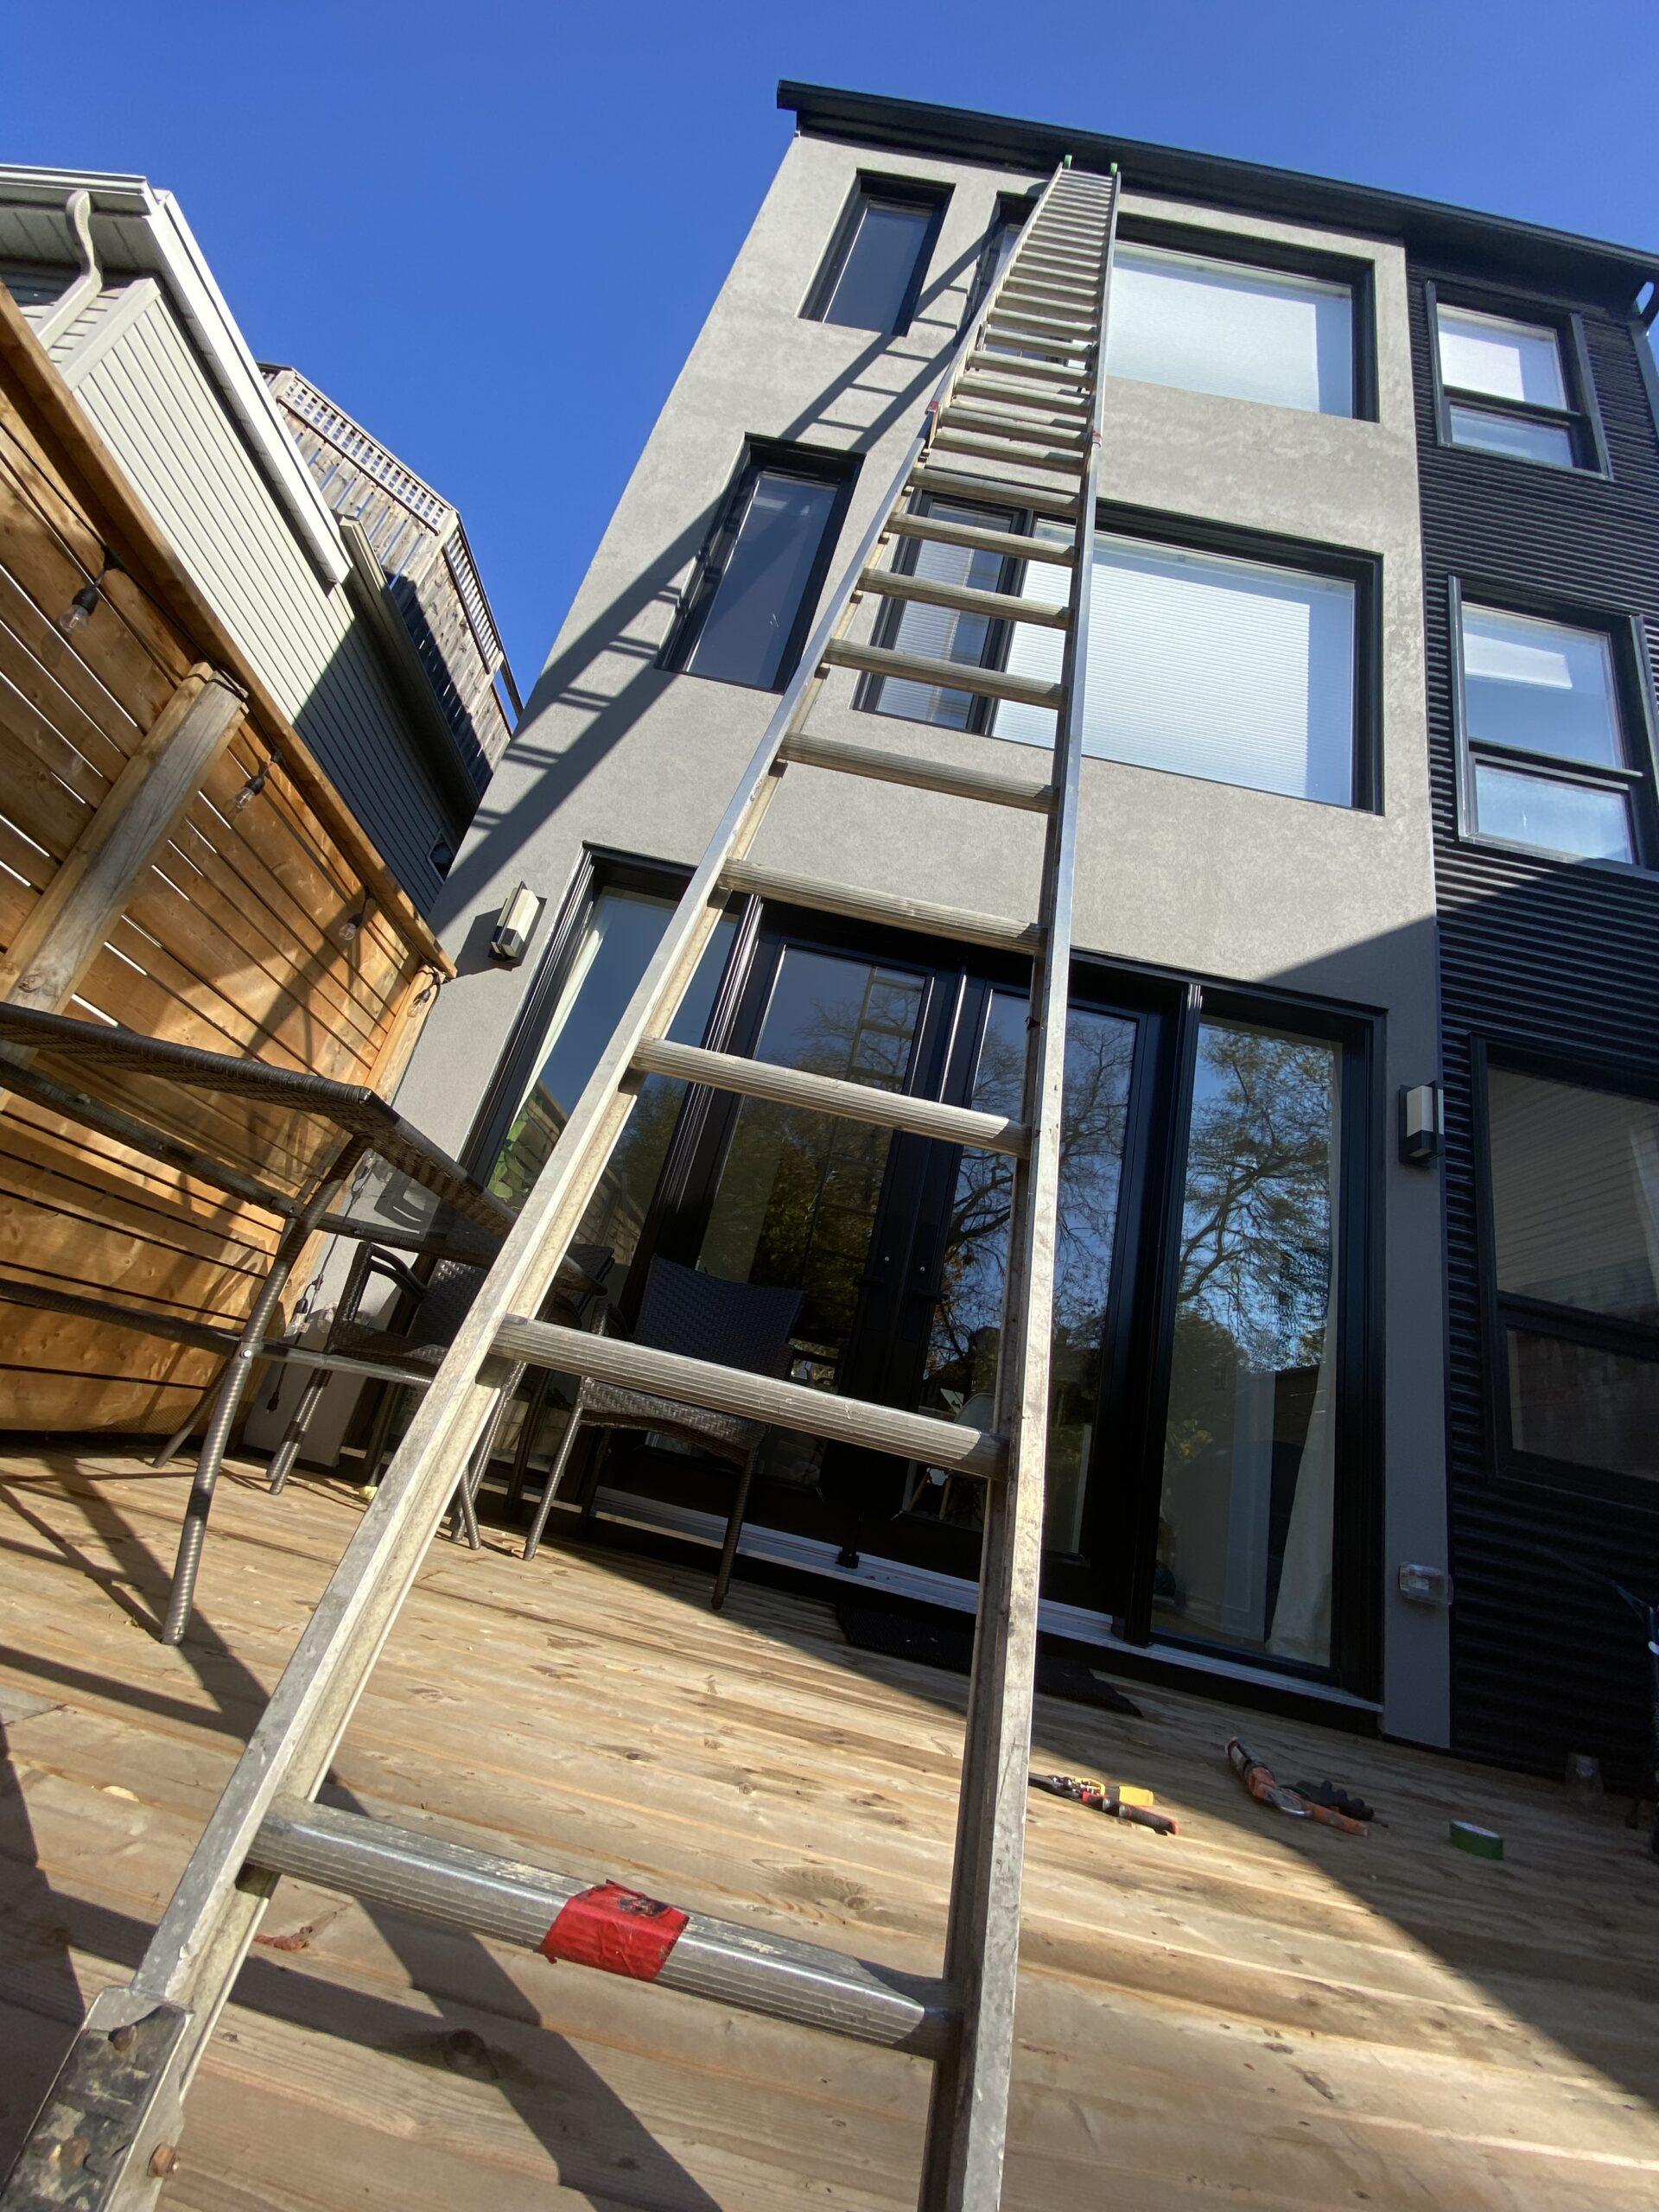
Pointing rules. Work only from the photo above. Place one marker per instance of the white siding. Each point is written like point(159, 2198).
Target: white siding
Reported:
point(149, 395)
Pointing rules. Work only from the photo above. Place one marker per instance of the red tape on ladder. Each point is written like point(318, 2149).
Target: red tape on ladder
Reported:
point(616, 1929)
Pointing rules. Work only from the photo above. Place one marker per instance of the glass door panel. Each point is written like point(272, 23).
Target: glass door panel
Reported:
point(1247, 1510)
point(796, 1194)
point(619, 937)
point(959, 1373)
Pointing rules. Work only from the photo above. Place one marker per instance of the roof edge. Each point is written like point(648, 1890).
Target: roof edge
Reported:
point(1608, 273)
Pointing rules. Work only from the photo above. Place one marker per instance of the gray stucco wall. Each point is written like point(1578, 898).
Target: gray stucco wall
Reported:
point(1230, 883)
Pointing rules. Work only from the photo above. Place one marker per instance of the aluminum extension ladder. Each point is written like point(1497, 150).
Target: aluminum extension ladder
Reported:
point(1023, 388)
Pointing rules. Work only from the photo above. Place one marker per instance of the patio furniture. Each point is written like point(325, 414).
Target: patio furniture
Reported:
point(700, 1317)
point(327, 1129)
point(413, 1352)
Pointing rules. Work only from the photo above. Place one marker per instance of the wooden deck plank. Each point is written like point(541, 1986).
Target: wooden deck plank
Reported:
point(1248, 2012)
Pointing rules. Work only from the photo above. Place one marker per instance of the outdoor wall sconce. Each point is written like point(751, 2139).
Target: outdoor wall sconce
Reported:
point(1422, 1123)
point(516, 926)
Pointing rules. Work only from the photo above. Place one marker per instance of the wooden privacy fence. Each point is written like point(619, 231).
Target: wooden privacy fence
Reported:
point(171, 858)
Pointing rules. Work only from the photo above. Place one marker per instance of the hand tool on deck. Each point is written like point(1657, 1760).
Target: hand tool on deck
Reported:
point(1120, 1801)
point(1257, 1777)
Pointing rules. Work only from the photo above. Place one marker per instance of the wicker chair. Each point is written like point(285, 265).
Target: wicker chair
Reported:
point(700, 1317)
point(441, 1303)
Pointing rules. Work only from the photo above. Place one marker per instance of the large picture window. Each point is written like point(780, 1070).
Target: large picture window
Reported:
point(1548, 762)
point(1208, 664)
point(1209, 324)
point(1575, 1189)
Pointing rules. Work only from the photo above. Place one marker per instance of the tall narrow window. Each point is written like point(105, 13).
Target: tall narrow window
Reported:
point(1547, 763)
point(878, 262)
point(1505, 389)
point(1000, 239)
point(746, 615)
point(1575, 1238)
point(942, 633)
point(1247, 1515)
point(620, 932)
point(1206, 325)
point(1205, 664)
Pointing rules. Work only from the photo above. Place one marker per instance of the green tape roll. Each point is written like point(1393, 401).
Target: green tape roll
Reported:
point(1484, 1843)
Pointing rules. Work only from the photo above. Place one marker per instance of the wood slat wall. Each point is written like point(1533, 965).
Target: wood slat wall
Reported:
point(254, 930)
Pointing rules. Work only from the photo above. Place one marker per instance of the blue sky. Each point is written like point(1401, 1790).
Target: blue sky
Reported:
point(492, 232)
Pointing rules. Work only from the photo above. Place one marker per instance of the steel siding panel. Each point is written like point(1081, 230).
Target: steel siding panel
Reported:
point(1564, 960)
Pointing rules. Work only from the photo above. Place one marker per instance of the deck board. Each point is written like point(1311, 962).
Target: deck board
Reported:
point(1253, 2013)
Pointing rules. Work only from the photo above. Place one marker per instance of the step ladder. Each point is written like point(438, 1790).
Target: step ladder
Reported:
point(1022, 395)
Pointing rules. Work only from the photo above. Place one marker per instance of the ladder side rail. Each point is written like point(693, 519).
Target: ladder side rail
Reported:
point(188, 1969)
point(968, 2112)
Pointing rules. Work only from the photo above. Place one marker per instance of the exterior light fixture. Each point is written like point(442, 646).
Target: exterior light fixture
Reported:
point(1422, 1124)
point(1425, 1585)
point(516, 926)
point(84, 605)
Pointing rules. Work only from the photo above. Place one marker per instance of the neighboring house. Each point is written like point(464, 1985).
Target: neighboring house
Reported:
point(386, 666)
point(1370, 809)
point(421, 556)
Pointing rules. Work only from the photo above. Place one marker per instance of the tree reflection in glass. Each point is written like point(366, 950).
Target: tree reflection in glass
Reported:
point(961, 1370)
point(1244, 1538)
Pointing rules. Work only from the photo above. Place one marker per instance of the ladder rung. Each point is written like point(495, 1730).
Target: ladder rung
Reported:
point(823, 1094)
point(979, 383)
point(406, 1869)
point(1031, 794)
point(1000, 448)
point(1031, 285)
point(1007, 542)
point(1022, 365)
point(1075, 329)
point(818, 897)
point(965, 416)
point(958, 484)
point(751, 1397)
point(1050, 349)
point(952, 674)
point(995, 606)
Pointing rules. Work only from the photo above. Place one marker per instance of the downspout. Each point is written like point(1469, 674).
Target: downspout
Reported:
point(77, 213)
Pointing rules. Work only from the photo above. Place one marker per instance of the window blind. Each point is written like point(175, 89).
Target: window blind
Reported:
point(1508, 360)
point(1205, 665)
point(1218, 326)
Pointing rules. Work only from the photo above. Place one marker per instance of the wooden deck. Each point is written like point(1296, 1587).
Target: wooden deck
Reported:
point(1252, 2014)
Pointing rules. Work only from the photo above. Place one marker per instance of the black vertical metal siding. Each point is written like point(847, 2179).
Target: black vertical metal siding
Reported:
point(1559, 960)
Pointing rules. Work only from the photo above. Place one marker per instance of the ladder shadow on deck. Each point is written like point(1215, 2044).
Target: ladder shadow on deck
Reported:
point(588, 2130)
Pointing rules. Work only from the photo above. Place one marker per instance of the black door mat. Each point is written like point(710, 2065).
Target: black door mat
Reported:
point(937, 1638)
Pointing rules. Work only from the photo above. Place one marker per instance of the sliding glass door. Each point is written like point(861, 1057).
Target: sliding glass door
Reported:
point(1209, 1433)
point(1246, 1515)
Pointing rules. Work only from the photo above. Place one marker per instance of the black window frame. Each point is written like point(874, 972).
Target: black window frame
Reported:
point(760, 456)
point(1625, 633)
point(1355, 273)
point(1502, 1311)
point(1012, 211)
point(873, 187)
point(1133, 1393)
point(866, 696)
point(1580, 418)
point(1363, 569)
